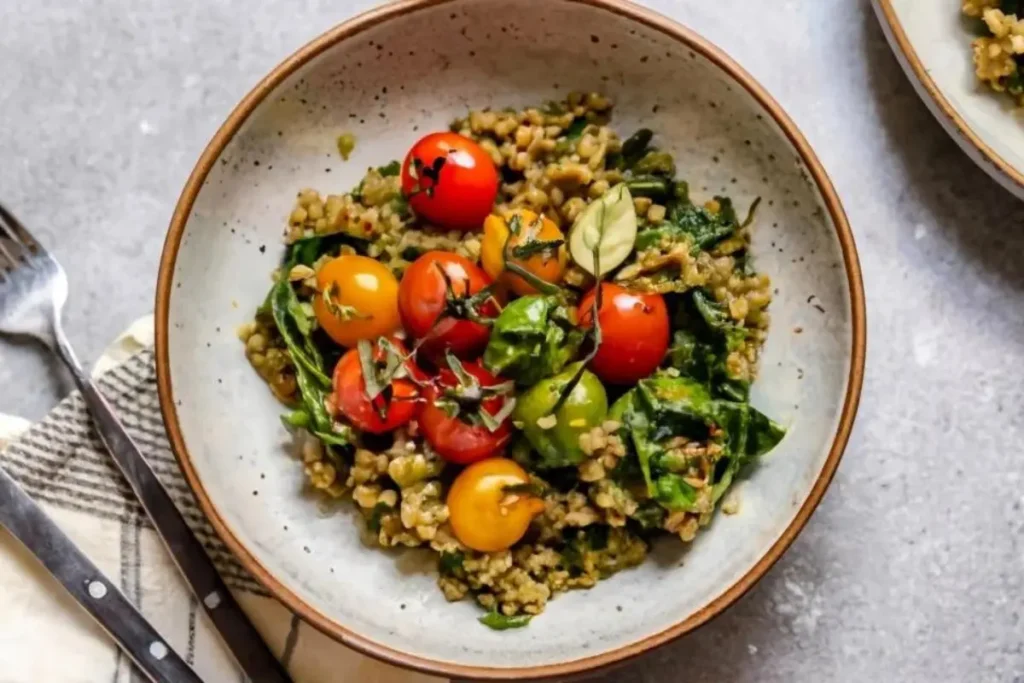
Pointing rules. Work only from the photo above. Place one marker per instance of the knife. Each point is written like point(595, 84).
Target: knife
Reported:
point(237, 632)
point(99, 596)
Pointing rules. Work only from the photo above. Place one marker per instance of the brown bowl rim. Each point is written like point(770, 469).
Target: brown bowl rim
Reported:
point(387, 654)
point(914, 67)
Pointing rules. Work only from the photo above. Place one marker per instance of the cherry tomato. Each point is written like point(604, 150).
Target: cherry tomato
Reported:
point(634, 330)
point(547, 265)
point(450, 180)
point(350, 394)
point(454, 438)
point(558, 445)
point(483, 515)
point(358, 299)
point(423, 296)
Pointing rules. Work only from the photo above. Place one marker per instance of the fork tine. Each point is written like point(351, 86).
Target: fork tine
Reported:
point(16, 232)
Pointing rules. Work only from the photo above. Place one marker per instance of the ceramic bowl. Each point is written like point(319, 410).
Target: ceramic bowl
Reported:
point(932, 41)
point(389, 76)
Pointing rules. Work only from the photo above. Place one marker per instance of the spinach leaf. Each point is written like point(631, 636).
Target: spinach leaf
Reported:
point(649, 515)
point(675, 406)
point(718, 320)
point(576, 128)
point(400, 207)
point(656, 163)
point(665, 406)
point(392, 168)
point(297, 419)
point(294, 327)
point(578, 543)
point(703, 228)
point(635, 147)
point(376, 516)
point(313, 383)
point(334, 438)
point(313, 396)
point(450, 563)
point(674, 494)
point(653, 187)
point(501, 622)
point(307, 250)
point(705, 336)
point(763, 434)
point(533, 338)
point(596, 536)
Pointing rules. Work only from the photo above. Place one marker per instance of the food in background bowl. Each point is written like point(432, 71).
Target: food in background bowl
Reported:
point(524, 347)
point(999, 50)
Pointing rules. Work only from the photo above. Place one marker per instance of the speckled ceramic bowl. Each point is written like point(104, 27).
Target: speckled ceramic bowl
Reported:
point(389, 76)
point(932, 40)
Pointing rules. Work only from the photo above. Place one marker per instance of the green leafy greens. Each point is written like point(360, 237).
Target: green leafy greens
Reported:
point(729, 434)
point(533, 338)
point(503, 622)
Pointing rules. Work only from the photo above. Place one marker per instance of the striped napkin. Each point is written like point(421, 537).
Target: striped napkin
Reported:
point(45, 637)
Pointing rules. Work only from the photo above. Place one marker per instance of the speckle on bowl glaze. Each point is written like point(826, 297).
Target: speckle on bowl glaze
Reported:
point(387, 77)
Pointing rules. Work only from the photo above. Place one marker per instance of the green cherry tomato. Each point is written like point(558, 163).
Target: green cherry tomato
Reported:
point(558, 444)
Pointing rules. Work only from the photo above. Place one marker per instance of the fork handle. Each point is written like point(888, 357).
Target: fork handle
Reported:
point(237, 632)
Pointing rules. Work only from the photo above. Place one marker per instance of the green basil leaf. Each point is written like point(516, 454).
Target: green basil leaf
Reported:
point(608, 226)
point(501, 622)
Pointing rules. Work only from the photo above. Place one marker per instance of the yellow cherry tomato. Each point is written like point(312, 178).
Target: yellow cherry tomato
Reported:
point(484, 515)
point(357, 299)
point(548, 265)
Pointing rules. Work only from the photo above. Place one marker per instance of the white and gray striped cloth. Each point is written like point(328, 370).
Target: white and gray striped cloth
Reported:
point(45, 638)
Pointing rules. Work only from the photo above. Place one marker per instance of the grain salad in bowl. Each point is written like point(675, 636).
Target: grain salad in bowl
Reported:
point(526, 348)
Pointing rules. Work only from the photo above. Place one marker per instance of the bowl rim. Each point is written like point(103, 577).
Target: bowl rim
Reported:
point(1001, 170)
point(363, 644)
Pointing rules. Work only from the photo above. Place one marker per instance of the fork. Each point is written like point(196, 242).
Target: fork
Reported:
point(33, 291)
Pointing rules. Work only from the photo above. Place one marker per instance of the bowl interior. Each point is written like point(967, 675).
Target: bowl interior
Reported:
point(939, 36)
point(388, 84)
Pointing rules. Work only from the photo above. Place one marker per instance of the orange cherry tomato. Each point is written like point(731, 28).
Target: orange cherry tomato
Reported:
point(634, 333)
point(483, 515)
point(547, 265)
point(450, 180)
point(358, 299)
point(401, 405)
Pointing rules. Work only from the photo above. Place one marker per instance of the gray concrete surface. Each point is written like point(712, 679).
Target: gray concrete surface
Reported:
point(912, 569)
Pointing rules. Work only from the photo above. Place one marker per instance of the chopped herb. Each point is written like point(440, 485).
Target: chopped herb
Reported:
point(450, 563)
point(502, 622)
point(346, 143)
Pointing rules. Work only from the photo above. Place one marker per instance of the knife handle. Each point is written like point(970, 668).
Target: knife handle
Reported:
point(101, 599)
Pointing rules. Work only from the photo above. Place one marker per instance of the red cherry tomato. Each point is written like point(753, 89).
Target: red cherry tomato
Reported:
point(350, 394)
point(450, 180)
point(423, 296)
point(454, 438)
point(634, 330)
